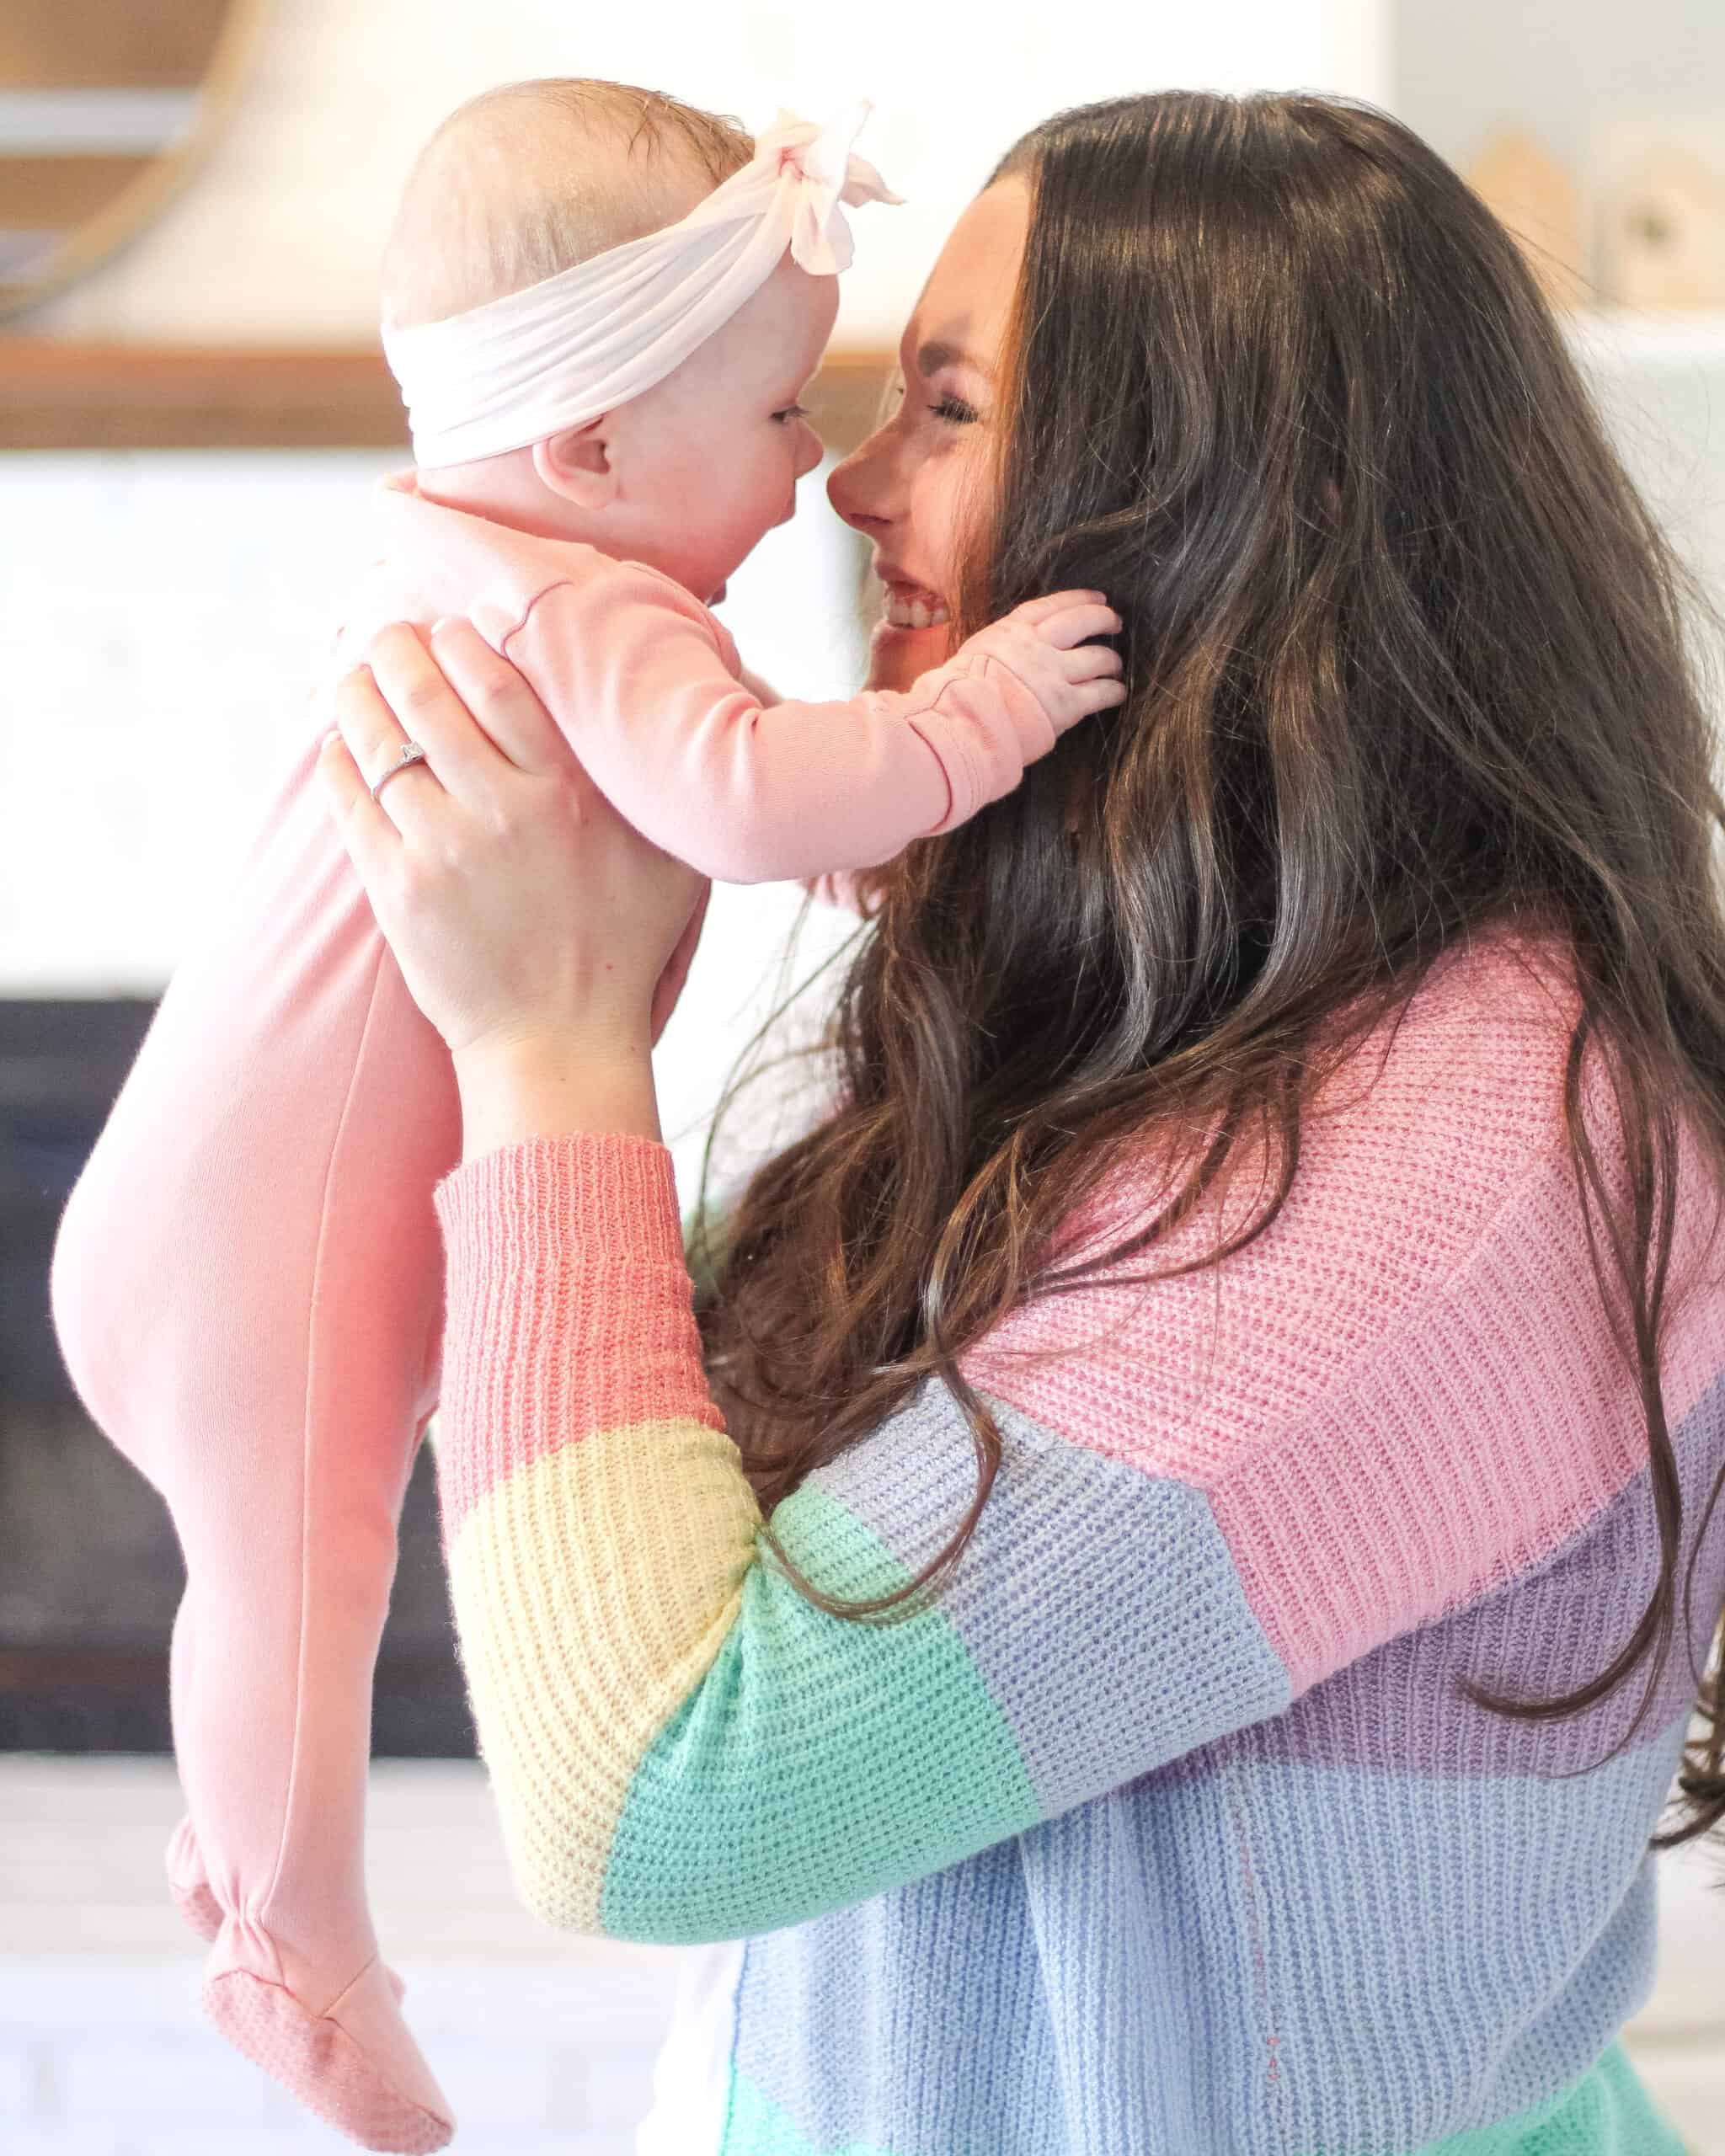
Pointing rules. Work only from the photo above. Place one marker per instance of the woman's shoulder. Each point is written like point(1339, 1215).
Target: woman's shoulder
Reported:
point(1445, 1115)
point(1434, 1114)
point(1458, 1089)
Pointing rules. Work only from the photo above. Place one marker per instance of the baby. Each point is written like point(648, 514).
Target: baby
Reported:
point(601, 307)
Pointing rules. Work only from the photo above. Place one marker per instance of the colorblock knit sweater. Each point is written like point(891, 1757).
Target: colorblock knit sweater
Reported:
point(1159, 1832)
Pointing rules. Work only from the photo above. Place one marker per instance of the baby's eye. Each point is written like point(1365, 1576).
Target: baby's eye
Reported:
point(791, 412)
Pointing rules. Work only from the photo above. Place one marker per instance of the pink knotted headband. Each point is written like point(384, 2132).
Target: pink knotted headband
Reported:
point(561, 352)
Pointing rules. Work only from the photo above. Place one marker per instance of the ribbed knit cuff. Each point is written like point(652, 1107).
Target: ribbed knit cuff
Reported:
point(569, 1304)
point(609, 1189)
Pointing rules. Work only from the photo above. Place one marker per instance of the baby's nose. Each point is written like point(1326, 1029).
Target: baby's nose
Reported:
point(812, 449)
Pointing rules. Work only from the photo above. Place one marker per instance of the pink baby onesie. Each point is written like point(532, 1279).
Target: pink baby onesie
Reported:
point(247, 1280)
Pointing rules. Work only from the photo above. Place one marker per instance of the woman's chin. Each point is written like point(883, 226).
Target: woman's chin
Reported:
point(897, 656)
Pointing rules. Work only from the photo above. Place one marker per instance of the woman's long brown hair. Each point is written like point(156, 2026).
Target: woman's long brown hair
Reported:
point(1407, 657)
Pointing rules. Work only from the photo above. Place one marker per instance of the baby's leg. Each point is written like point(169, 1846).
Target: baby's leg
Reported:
point(248, 1288)
point(188, 1880)
point(188, 1877)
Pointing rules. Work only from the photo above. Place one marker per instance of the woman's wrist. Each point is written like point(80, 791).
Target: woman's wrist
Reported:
point(514, 1091)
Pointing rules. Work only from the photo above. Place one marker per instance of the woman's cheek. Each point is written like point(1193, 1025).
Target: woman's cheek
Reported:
point(951, 488)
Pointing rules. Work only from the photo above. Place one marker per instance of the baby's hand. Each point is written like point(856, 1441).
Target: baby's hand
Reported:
point(1042, 645)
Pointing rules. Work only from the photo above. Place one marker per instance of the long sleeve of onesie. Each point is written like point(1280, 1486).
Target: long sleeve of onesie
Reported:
point(638, 678)
point(647, 685)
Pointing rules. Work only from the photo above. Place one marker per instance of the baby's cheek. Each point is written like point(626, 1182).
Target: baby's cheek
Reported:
point(738, 525)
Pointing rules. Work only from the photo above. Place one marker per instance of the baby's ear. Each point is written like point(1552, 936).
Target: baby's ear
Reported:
point(577, 465)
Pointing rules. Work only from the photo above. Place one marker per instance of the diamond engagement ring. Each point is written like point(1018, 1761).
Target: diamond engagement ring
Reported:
point(411, 753)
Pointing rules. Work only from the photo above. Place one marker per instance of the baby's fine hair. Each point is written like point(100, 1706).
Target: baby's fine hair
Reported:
point(528, 178)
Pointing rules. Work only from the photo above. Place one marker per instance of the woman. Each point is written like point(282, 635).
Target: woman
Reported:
point(1244, 1759)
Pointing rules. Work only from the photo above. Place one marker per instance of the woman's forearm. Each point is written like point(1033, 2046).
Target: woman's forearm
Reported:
point(524, 1090)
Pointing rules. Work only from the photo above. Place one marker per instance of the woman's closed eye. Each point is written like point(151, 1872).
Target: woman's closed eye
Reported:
point(949, 406)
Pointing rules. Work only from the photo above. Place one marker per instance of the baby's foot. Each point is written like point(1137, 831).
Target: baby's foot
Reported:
point(189, 1885)
point(354, 2062)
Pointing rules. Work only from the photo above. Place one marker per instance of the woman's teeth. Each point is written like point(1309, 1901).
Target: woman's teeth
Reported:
point(923, 610)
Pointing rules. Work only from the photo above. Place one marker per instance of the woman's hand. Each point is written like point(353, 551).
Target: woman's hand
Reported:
point(527, 917)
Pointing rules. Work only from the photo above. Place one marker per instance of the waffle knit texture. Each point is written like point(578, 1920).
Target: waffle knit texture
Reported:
point(1159, 1832)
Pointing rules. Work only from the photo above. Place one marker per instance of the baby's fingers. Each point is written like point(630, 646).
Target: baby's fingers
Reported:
point(1034, 611)
point(1085, 661)
point(1076, 622)
point(1088, 697)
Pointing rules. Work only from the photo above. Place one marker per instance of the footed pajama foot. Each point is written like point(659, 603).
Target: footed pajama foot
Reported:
point(189, 1885)
point(353, 2062)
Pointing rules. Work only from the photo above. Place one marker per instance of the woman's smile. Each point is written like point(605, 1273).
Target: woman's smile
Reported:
point(913, 606)
point(909, 605)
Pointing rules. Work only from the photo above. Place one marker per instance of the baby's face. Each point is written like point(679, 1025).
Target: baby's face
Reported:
point(708, 460)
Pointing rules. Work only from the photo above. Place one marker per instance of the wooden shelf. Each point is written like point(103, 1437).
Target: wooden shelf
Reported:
point(88, 44)
point(60, 394)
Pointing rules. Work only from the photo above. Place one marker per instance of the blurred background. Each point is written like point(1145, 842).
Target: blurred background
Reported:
point(193, 194)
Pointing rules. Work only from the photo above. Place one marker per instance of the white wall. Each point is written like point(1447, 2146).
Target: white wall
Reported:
point(1556, 66)
point(278, 239)
point(1576, 73)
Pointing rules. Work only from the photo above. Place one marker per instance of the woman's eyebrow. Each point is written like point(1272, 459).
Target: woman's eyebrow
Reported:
point(932, 357)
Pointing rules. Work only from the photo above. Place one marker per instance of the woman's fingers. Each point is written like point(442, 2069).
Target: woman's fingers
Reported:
point(348, 764)
point(499, 697)
point(418, 704)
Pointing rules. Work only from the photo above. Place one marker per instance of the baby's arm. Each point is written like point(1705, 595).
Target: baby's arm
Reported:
point(837, 887)
point(632, 670)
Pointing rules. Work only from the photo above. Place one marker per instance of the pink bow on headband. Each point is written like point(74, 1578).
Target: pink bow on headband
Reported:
point(825, 173)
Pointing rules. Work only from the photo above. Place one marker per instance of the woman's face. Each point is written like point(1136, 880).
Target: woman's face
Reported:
point(912, 487)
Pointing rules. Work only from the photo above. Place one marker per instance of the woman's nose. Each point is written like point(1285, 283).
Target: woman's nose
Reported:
point(852, 488)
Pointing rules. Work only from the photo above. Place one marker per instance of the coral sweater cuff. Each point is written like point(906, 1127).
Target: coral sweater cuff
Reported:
point(585, 1225)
